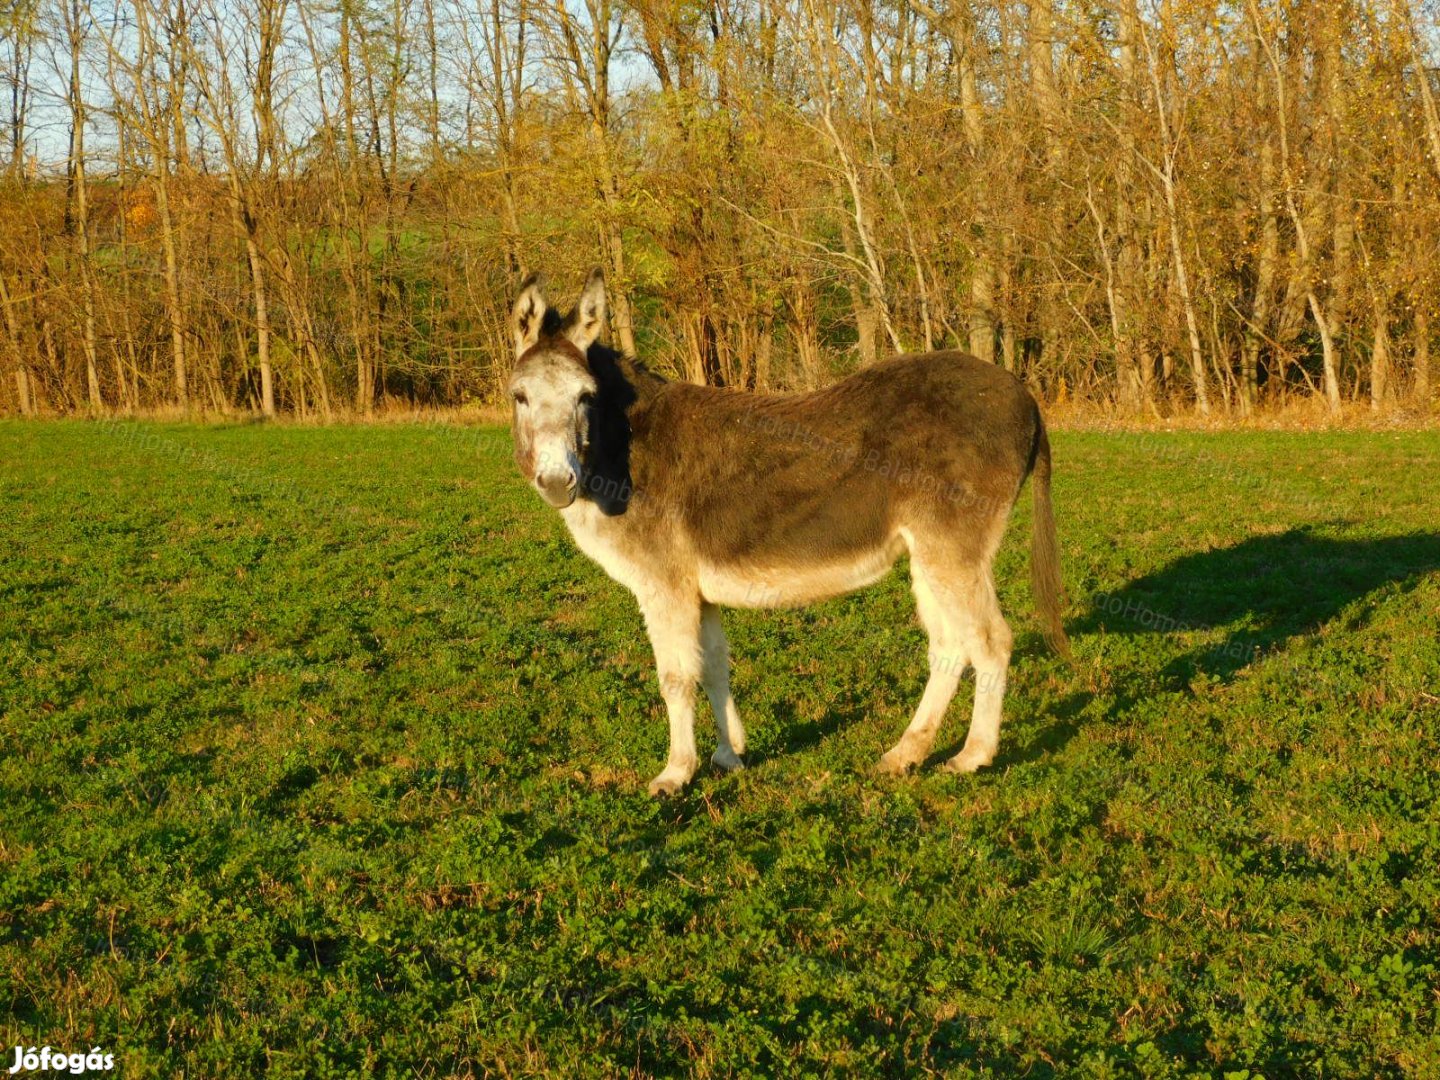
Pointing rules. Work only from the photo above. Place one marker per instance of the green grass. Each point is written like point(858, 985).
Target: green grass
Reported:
point(323, 752)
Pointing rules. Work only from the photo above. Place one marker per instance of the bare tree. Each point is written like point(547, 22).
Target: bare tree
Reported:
point(1304, 245)
point(581, 53)
point(1165, 174)
point(75, 24)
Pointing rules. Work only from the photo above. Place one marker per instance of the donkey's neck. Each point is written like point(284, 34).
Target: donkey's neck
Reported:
point(624, 389)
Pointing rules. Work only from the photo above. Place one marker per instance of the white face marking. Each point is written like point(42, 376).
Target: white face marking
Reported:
point(552, 392)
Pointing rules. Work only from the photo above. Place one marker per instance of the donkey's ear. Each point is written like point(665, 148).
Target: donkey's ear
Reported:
point(528, 314)
point(585, 323)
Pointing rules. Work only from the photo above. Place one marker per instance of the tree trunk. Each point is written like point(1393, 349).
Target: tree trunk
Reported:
point(1380, 357)
point(1266, 259)
point(79, 204)
point(22, 391)
point(262, 316)
point(129, 305)
point(1422, 357)
point(19, 79)
point(1166, 171)
point(1130, 370)
point(618, 294)
point(804, 329)
point(862, 304)
point(982, 308)
point(1422, 80)
point(24, 388)
point(1041, 46)
point(174, 309)
point(587, 82)
point(981, 317)
point(349, 216)
point(505, 68)
point(1342, 223)
point(1305, 270)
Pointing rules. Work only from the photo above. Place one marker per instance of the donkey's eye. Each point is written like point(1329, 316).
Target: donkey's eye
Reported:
point(586, 399)
point(520, 398)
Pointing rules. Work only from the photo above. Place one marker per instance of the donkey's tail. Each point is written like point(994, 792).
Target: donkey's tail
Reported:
point(1045, 549)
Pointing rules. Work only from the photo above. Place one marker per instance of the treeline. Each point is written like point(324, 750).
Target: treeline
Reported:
point(322, 206)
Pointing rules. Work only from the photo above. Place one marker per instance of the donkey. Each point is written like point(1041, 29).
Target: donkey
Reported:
point(698, 497)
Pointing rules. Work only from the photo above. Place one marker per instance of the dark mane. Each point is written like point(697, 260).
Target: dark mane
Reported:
point(622, 381)
point(637, 369)
point(551, 323)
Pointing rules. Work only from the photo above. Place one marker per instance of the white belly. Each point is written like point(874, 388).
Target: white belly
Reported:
point(801, 583)
point(733, 584)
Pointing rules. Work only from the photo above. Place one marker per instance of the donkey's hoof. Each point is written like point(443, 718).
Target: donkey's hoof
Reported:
point(894, 763)
point(669, 782)
point(968, 761)
point(726, 760)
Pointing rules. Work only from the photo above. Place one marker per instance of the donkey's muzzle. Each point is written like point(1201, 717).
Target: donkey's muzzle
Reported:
point(557, 489)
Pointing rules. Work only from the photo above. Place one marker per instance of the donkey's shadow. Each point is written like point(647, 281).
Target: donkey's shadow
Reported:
point(1264, 592)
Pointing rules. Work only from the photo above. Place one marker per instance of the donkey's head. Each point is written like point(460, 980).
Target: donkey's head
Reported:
point(553, 389)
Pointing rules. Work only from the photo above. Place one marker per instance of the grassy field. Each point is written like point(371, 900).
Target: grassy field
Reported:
point(322, 753)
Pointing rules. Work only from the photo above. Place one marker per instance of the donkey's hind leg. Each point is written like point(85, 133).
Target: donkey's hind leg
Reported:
point(716, 678)
point(947, 663)
point(987, 641)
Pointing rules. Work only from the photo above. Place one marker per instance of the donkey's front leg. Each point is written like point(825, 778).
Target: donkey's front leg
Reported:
point(674, 625)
